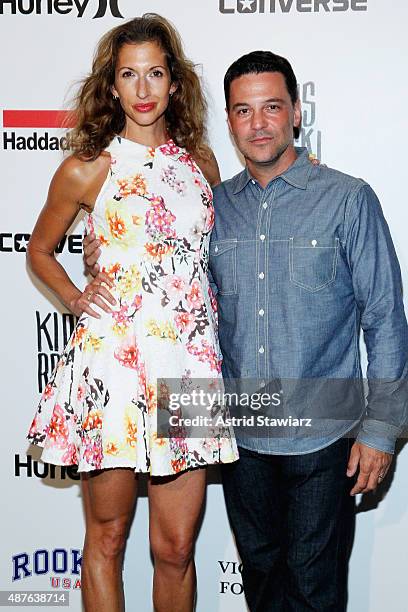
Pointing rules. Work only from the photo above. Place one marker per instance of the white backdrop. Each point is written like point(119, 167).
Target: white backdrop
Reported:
point(348, 56)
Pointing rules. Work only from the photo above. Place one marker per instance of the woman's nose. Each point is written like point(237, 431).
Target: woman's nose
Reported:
point(142, 88)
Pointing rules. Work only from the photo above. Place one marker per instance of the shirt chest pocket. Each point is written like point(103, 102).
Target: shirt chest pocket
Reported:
point(313, 261)
point(223, 262)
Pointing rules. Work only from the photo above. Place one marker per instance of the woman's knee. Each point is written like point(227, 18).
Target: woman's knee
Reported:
point(109, 537)
point(176, 551)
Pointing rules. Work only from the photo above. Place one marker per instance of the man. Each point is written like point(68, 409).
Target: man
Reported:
point(301, 259)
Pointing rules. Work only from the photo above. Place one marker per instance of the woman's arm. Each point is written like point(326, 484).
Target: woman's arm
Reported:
point(210, 169)
point(69, 190)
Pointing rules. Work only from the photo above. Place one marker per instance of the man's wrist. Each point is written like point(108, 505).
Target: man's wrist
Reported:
point(385, 445)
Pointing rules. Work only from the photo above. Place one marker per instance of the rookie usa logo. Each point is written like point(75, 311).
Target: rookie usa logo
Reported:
point(43, 562)
point(61, 7)
point(288, 6)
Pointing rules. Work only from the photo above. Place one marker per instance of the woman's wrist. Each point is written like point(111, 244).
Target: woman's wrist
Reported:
point(70, 299)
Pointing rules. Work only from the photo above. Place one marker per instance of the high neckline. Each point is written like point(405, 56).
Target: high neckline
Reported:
point(170, 142)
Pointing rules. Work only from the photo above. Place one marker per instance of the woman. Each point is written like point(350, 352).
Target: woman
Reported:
point(140, 169)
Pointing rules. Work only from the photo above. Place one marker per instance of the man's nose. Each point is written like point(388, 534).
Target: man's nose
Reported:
point(258, 121)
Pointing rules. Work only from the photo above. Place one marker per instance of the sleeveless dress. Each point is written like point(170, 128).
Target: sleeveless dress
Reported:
point(100, 408)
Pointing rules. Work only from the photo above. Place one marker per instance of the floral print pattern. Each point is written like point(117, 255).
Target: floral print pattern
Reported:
point(99, 410)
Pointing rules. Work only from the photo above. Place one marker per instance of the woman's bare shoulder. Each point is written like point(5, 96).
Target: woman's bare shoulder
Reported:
point(77, 169)
point(81, 177)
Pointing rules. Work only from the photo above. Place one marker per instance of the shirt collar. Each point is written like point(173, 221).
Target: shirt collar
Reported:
point(296, 175)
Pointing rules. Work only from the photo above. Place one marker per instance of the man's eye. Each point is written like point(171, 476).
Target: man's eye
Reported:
point(273, 107)
point(242, 111)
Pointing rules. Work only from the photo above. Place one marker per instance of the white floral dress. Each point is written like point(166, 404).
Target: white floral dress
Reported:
point(154, 217)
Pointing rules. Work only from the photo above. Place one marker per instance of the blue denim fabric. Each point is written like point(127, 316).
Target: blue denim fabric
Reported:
point(299, 268)
point(293, 520)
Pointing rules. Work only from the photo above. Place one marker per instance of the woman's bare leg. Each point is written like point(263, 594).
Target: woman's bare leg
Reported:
point(175, 505)
point(109, 497)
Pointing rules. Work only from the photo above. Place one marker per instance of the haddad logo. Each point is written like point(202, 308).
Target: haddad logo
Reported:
point(35, 142)
point(41, 562)
point(61, 7)
point(286, 6)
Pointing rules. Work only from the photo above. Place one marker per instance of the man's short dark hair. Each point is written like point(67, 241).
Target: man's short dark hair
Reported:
point(257, 62)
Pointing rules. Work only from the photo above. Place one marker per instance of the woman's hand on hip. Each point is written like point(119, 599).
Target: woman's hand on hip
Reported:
point(96, 292)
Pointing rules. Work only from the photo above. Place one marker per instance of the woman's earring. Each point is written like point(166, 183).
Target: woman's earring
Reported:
point(115, 97)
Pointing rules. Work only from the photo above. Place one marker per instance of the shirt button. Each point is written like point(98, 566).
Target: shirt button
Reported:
point(253, 182)
point(261, 312)
point(216, 250)
point(261, 350)
point(261, 275)
point(265, 204)
point(262, 237)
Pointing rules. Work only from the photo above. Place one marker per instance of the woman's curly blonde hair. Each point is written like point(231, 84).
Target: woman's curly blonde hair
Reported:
point(99, 117)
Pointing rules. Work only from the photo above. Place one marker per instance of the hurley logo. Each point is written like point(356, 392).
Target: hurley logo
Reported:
point(61, 7)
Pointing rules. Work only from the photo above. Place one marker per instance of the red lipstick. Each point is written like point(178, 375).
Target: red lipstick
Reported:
point(144, 108)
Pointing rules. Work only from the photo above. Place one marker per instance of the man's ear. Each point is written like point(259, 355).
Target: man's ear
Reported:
point(228, 120)
point(297, 115)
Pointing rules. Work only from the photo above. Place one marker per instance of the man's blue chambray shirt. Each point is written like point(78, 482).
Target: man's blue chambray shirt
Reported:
point(299, 268)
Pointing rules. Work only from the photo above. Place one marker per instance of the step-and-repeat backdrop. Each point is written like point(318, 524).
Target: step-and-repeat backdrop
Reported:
point(349, 56)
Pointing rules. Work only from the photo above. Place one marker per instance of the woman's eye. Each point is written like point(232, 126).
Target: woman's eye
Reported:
point(157, 73)
point(127, 73)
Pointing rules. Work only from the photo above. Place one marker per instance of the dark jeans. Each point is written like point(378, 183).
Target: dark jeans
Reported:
point(293, 521)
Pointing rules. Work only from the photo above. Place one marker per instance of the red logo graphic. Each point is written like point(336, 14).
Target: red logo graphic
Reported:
point(38, 119)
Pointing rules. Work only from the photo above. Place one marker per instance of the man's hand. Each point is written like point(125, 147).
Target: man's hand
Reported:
point(314, 160)
point(92, 253)
point(373, 466)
